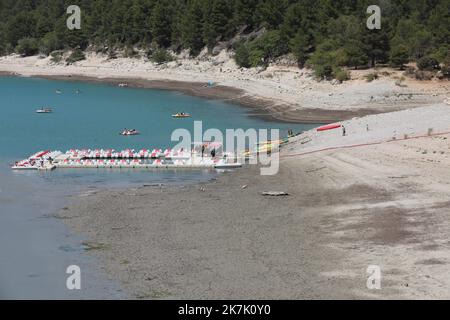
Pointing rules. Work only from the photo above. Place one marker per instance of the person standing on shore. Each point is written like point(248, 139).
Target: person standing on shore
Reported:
point(344, 131)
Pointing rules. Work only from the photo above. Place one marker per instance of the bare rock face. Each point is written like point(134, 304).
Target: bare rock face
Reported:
point(220, 47)
point(241, 36)
point(287, 60)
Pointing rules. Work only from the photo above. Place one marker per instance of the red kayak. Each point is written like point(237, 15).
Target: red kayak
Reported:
point(329, 127)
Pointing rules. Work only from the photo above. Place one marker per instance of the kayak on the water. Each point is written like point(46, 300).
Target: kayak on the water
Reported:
point(44, 110)
point(132, 132)
point(181, 115)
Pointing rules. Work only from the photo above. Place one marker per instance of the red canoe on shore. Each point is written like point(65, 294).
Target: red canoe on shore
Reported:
point(329, 127)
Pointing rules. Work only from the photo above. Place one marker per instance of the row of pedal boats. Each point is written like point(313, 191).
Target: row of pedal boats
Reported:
point(138, 163)
point(124, 159)
point(128, 154)
point(126, 164)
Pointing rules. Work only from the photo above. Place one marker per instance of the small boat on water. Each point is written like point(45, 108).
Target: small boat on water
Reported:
point(44, 110)
point(132, 132)
point(181, 115)
point(58, 91)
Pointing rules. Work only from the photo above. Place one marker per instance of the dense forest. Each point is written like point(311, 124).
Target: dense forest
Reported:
point(325, 34)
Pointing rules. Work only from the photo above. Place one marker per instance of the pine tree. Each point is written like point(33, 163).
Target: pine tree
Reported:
point(218, 22)
point(161, 24)
point(192, 26)
point(399, 56)
point(376, 43)
point(299, 46)
point(410, 29)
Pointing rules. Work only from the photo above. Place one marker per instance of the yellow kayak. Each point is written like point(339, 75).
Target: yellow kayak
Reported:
point(181, 115)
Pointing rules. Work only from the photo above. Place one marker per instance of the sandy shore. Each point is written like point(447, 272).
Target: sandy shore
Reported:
point(280, 92)
point(384, 204)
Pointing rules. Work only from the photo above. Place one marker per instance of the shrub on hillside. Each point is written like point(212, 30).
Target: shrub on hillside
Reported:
point(56, 56)
point(5, 48)
point(341, 75)
point(410, 72)
point(130, 53)
point(160, 56)
point(242, 56)
point(446, 67)
point(399, 56)
point(76, 55)
point(372, 76)
point(427, 63)
point(323, 71)
point(260, 51)
point(28, 47)
point(49, 43)
point(423, 75)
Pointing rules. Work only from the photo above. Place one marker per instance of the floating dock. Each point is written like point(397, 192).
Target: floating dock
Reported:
point(126, 159)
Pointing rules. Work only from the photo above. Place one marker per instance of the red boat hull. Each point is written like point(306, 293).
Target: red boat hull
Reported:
point(329, 127)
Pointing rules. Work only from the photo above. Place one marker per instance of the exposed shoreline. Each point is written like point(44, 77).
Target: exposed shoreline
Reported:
point(348, 208)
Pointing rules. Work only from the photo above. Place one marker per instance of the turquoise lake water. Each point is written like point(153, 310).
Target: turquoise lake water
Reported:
point(35, 248)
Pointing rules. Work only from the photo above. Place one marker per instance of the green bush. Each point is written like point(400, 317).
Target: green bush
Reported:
point(257, 57)
point(427, 63)
point(323, 60)
point(341, 75)
point(5, 48)
point(56, 56)
point(28, 47)
point(441, 53)
point(131, 53)
point(372, 76)
point(260, 51)
point(49, 43)
point(160, 56)
point(323, 71)
point(242, 56)
point(76, 55)
point(399, 56)
point(299, 46)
